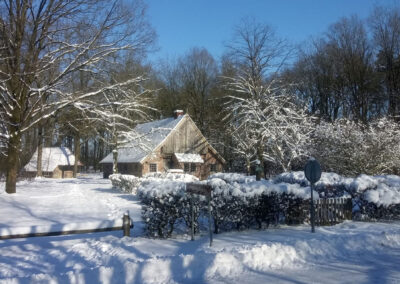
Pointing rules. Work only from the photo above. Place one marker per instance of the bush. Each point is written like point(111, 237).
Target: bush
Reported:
point(165, 202)
point(125, 183)
point(374, 197)
point(238, 202)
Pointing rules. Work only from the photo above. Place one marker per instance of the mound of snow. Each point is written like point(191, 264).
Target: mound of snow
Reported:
point(274, 256)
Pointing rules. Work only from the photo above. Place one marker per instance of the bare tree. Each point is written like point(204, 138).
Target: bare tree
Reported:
point(189, 83)
point(41, 47)
point(353, 55)
point(256, 51)
point(385, 25)
point(198, 75)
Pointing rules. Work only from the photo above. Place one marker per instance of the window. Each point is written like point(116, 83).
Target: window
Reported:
point(193, 167)
point(213, 167)
point(153, 168)
point(186, 167)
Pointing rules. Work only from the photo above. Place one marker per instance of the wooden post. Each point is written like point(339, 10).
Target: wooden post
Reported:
point(126, 224)
point(312, 209)
point(209, 217)
point(192, 217)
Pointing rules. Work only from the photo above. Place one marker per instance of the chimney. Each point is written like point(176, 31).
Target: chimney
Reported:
point(178, 113)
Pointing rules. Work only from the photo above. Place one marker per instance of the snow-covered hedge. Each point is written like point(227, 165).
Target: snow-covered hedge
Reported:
point(130, 183)
point(238, 201)
point(165, 202)
point(125, 183)
point(375, 197)
point(241, 201)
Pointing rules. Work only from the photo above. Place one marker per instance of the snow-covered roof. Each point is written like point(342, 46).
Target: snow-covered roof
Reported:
point(51, 158)
point(188, 158)
point(154, 132)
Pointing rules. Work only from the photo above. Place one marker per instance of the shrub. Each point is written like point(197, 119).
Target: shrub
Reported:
point(125, 183)
point(374, 197)
point(238, 202)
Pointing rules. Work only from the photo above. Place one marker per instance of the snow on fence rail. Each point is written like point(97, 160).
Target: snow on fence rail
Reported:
point(124, 224)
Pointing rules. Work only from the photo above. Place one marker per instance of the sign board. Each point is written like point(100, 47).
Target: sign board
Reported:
point(312, 171)
point(196, 188)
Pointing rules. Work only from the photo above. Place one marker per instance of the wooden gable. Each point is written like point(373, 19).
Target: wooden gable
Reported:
point(185, 138)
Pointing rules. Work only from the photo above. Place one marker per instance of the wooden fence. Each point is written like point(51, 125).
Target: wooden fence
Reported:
point(332, 211)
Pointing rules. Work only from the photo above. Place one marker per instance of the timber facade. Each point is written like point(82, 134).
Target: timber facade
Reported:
point(184, 148)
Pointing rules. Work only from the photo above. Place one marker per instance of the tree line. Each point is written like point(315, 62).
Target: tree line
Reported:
point(75, 75)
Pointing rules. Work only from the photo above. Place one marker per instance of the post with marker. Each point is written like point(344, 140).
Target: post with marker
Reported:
point(312, 171)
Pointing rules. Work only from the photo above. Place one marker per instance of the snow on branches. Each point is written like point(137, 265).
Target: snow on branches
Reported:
point(267, 116)
point(117, 111)
point(43, 50)
point(351, 148)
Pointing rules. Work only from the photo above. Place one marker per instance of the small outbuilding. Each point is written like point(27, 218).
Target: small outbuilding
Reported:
point(172, 144)
point(57, 162)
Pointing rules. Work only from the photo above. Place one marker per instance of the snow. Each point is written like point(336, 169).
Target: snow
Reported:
point(382, 190)
point(154, 132)
point(247, 186)
point(51, 205)
point(164, 184)
point(188, 158)
point(51, 158)
point(364, 253)
point(351, 252)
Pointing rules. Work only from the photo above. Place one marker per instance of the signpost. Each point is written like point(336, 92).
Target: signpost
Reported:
point(312, 172)
point(200, 189)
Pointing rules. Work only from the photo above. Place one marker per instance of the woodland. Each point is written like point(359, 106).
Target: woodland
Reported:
point(77, 74)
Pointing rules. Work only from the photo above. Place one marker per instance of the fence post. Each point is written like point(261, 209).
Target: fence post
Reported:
point(126, 224)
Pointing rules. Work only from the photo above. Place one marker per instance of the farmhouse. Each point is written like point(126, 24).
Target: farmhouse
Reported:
point(57, 162)
point(171, 143)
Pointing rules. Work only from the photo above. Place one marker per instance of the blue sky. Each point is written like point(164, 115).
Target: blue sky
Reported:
point(182, 24)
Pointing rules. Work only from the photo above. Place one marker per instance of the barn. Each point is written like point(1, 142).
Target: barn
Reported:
point(172, 143)
point(57, 162)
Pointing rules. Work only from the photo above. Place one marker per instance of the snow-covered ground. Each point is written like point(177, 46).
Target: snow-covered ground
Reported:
point(351, 252)
point(44, 205)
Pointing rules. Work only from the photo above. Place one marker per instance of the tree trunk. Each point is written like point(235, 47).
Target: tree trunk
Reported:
point(77, 152)
point(248, 166)
point(12, 162)
point(260, 155)
point(87, 154)
point(115, 161)
point(95, 149)
point(39, 172)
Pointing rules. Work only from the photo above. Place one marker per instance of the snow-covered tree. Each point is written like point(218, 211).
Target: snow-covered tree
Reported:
point(352, 148)
point(243, 144)
point(44, 43)
point(276, 126)
point(262, 104)
point(117, 112)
